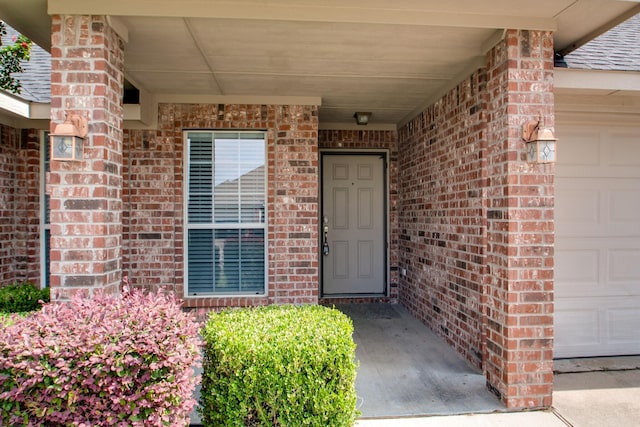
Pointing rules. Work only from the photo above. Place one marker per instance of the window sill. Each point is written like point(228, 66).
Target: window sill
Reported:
point(224, 301)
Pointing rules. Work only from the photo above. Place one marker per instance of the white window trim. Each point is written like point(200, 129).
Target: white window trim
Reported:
point(186, 227)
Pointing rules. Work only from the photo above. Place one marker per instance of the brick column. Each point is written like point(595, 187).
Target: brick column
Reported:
point(293, 206)
point(86, 196)
point(518, 296)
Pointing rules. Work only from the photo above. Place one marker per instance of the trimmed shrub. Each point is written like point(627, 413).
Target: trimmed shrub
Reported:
point(108, 361)
point(279, 366)
point(22, 297)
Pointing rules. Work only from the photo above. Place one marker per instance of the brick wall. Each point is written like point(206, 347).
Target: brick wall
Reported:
point(9, 145)
point(86, 196)
point(19, 205)
point(442, 215)
point(27, 198)
point(520, 228)
point(154, 198)
point(151, 209)
point(337, 140)
point(476, 220)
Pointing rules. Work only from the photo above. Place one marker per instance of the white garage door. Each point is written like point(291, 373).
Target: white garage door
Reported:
point(597, 261)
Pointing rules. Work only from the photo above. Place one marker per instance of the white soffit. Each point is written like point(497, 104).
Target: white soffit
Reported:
point(390, 58)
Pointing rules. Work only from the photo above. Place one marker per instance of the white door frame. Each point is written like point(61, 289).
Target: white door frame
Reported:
point(387, 233)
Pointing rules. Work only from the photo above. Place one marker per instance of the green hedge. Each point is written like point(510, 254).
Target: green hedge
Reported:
point(279, 366)
point(22, 297)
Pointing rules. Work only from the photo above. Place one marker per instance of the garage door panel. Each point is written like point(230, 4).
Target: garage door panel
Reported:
point(621, 208)
point(597, 326)
point(618, 322)
point(623, 149)
point(577, 268)
point(577, 209)
point(624, 268)
point(597, 207)
point(580, 148)
point(598, 270)
point(597, 251)
point(596, 151)
point(625, 204)
point(577, 327)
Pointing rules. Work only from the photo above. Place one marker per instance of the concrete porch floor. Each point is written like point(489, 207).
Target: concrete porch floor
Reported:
point(406, 370)
point(410, 377)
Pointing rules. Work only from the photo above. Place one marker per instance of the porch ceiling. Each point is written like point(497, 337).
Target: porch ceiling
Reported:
point(390, 58)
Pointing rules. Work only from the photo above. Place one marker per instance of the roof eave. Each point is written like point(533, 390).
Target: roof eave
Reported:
point(596, 80)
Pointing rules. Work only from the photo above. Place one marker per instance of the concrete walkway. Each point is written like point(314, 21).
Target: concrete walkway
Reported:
point(408, 377)
point(595, 399)
point(519, 419)
point(583, 399)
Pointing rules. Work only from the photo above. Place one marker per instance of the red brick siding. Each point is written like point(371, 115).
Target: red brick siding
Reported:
point(150, 198)
point(19, 205)
point(476, 220)
point(520, 233)
point(153, 205)
point(154, 198)
point(8, 216)
point(337, 140)
point(442, 215)
point(86, 197)
point(28, 207)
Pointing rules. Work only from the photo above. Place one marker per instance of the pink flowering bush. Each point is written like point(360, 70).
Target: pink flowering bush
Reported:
point(108, 361)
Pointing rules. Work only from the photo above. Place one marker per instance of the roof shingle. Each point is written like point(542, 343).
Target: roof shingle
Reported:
point(618, 49)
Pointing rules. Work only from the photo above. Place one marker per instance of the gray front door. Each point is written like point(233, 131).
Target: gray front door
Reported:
point(353, 225)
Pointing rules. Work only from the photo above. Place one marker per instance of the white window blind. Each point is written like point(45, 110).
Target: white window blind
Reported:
point(225, 209)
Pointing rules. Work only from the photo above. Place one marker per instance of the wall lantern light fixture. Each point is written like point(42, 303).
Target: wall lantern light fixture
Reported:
point(362, 118)
point(67, 140)
point(541, 142)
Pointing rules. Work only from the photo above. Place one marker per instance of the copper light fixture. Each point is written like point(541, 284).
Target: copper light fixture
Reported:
point(541, 142)
point(67, 140)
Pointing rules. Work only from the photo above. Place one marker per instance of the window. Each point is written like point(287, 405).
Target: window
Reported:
point(45, 224)
point(225, 213)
